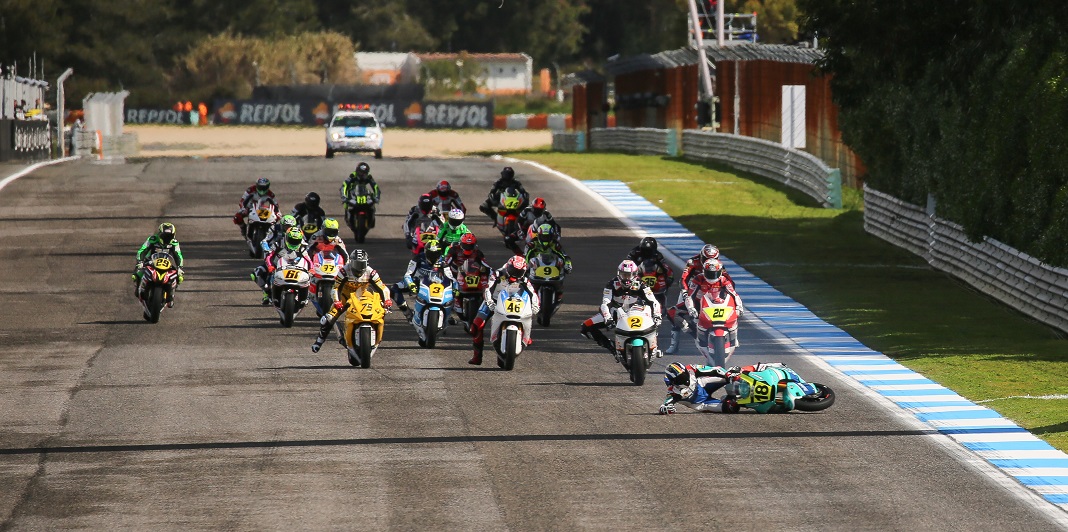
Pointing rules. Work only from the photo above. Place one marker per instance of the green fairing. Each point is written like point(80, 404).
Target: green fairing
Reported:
point(154, 240)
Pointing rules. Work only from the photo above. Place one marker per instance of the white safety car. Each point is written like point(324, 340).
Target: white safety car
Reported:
point(353, 128)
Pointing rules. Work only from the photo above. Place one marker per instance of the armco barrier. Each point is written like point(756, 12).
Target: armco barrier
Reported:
point(1036, 289)
point(793, 168)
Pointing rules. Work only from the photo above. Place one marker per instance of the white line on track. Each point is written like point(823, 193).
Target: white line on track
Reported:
point(31, 168)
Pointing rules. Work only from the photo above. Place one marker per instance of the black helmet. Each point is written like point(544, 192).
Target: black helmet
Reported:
point(432, 250)
point(357, 262)
point(507, 173)
point(426, 203)
point(362, 170)
point(647, 247)
point(311, 200)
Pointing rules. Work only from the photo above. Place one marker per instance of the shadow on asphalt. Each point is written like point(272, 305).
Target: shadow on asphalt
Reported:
point(114, 322)
point(279, 368)
point(435, 440)
point(591, 384)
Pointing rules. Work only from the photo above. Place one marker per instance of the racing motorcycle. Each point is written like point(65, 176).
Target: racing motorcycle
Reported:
point(159, 278)
point(360, 213)
point(512, 315)
point(426, 229)
point(471, 283)
point(257, 222)
point(364, 323)
point(433, 303)
point(310, 225)
point(716, 318)
point(635, 331)
point(546, 273)
point(655, 277)
point(778, 389)
point(507, 223)
point(324, 269)
point(289, 289)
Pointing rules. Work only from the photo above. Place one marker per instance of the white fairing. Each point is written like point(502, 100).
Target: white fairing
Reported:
point(514, 308)
point(635, 321)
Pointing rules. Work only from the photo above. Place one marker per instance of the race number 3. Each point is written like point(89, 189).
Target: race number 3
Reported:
point(436, 290)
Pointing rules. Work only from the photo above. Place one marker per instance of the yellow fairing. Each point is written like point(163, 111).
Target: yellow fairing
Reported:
point(365, 306)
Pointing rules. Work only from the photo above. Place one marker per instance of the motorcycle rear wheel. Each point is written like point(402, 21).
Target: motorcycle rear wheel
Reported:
point(637, 363)
point(289, 309)
point(821, 400)
point(155, 304)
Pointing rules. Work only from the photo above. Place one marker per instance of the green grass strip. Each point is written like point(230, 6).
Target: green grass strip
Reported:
point(887, 298)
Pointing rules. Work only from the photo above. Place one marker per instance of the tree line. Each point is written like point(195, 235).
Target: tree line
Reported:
point(157, 48)
point(964, 100)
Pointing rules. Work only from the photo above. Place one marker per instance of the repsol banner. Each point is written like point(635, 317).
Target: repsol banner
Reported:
point(156, 116)
point(254, 112)
point(456, 115)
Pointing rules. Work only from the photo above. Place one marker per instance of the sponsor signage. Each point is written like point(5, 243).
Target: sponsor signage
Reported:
point(454, 115)
point(156, 116)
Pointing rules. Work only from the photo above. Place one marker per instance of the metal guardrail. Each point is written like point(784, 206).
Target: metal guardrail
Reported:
point(793, 168)
point(1025, 283)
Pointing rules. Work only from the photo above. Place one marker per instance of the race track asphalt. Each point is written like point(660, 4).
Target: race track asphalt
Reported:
point(219, 418)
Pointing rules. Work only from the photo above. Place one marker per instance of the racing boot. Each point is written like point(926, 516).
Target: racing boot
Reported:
point(673, 347)
point(408, 312)
point(477, 358)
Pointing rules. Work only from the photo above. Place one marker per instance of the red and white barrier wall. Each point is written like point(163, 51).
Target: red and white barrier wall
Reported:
point(555, 122)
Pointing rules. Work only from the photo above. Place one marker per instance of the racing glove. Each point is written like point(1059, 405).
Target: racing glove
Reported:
point(610, 323)
point(666, 409)
point(338, 305)
point(413, 288)
point(388, 304)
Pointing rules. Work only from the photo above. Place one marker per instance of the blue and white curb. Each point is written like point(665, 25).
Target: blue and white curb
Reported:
point(1000, 442)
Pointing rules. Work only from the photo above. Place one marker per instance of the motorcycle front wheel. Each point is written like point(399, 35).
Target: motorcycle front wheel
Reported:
point(361, 227)
point(289, 309)
point(430, 327)
point(506, 360)
point(636, 354)
point(155, 304)
point(365, 347)
point(821, 400)
point(718, 348)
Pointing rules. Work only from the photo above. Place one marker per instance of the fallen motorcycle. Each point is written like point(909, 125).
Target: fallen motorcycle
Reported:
point(778, 389)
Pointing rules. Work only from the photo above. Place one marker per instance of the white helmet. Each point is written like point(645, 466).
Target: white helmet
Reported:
point(456, 217)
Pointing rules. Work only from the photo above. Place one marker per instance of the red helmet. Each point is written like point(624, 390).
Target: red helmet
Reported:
point(467, 244)
point(538, 206)
point(444, 187)
point(713, 270)
point(516, 268)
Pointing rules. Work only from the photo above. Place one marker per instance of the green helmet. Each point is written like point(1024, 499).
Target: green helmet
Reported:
point(289, 221)
point(330, 228)
point(165, 233)
point(294, 239)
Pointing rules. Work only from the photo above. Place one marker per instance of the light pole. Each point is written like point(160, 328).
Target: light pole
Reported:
point(60, 111)
point(460, 68)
